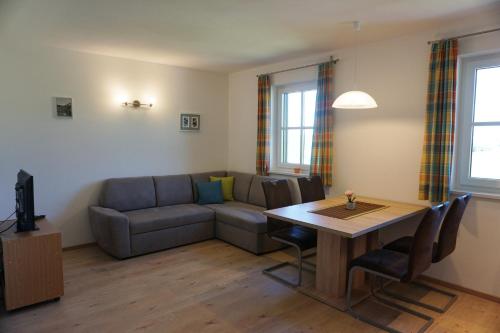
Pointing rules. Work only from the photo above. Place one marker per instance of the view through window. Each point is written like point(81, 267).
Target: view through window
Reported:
point(485, 156)
point(295, 108)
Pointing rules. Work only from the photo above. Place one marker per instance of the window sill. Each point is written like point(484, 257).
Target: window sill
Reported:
point(289, 174)
point(491, 196)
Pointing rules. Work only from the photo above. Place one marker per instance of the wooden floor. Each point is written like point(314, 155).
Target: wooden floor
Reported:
point(205, 287)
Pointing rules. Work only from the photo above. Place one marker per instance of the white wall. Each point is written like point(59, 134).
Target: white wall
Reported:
point(70, 157)
point(377, 152)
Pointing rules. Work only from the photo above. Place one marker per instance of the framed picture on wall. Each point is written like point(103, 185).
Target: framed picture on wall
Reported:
point(190, 122)
point(63, 107)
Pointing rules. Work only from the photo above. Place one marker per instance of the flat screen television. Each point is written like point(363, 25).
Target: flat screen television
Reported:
point(25, 205)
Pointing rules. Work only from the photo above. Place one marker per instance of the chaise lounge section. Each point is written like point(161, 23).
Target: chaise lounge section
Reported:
point(140, 215)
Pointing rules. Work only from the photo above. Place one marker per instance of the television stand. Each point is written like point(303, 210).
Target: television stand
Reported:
point(32, 266)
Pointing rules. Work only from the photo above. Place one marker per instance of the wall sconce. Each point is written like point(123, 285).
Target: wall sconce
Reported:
point(137, 104)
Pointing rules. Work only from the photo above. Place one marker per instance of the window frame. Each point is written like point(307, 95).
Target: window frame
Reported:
point(277, 166)
point(462, 179)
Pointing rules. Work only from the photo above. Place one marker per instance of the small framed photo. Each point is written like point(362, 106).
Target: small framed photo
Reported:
point(190, 122)
point(64, 107)
point(195, 122)
point(185, 123)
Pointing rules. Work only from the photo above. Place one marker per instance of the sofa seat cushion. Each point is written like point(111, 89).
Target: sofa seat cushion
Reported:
point(158, 218)
point(241, 215)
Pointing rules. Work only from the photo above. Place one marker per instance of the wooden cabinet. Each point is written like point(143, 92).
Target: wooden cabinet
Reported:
point(32, 265)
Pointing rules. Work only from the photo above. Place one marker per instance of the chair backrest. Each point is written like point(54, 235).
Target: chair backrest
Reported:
point(277, 193)
point(420, 256)
point(311, 188)
point(449, 229)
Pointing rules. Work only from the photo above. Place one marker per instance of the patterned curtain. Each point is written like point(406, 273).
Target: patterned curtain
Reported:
point(322, 143)
point(435, 168)
point(263, 125)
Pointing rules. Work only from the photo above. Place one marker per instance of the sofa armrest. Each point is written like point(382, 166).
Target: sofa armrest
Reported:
point(111, 231)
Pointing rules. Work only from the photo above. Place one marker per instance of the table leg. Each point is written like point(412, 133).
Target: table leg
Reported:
point(333, 255)
point(331, 264)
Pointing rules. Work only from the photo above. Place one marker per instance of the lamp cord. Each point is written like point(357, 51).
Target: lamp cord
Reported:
point(7, 218)
point(10, 226)
point(357, 29)
point(2, 222)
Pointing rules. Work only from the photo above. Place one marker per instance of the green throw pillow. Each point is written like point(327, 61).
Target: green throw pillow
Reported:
point(227, 186)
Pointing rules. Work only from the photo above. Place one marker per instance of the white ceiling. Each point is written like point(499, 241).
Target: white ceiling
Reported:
point(220, 35)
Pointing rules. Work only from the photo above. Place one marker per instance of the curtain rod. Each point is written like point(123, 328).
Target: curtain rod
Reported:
point(295, 68)
point(466, 35)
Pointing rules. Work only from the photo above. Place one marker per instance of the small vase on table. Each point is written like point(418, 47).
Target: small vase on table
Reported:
point(351, 200)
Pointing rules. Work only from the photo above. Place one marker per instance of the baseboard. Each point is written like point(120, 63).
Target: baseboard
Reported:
point(460, 288)
point(81, 246)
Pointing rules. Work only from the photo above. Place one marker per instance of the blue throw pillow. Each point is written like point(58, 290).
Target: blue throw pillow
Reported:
point(210, 193)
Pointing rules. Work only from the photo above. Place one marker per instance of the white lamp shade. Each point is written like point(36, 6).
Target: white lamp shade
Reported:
point(354, 100)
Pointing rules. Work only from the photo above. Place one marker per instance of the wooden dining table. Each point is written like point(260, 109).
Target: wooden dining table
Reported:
point(342, 239)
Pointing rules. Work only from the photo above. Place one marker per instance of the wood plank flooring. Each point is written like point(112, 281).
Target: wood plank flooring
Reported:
point(204, 287)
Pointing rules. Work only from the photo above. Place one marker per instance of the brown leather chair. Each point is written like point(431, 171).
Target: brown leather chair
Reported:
point(445, 245)
point(311, 188)
point(400, 267)
point(278, 195)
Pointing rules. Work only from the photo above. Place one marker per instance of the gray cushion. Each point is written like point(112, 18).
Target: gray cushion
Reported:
point(241, 215)
point(146, 220)
point(203, 177)
point(241, 187)
point(124, 194)
point(256, 194)
point(173, 190)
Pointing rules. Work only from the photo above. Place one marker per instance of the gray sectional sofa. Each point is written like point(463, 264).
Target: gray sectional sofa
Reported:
point(145, 214)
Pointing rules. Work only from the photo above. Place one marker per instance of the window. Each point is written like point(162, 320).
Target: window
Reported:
point(478, 127)
point(293, 121)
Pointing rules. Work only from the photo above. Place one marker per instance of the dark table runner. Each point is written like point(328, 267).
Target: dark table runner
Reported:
point(341, 212)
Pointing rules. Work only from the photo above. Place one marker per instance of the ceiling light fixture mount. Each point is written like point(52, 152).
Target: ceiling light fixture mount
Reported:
point(355, 99)
point(137, 104)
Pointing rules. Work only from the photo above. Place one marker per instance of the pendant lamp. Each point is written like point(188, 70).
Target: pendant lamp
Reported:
point(355, 99)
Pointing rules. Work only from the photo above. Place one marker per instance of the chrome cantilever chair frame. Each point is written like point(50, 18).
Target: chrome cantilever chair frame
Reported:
point(428, 320)
point(300, 265)
point(453, 297)
point(404, 267)
point(462, 199)
point(277, 200)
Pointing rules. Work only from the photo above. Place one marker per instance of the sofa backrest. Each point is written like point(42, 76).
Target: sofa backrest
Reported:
point(256, 194)
point(123, 194)
point(241, 186)
point(203, 177)
point(173, 190)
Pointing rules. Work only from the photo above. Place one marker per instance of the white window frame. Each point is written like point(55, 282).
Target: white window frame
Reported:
point(462, 180)
point(277, 166)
